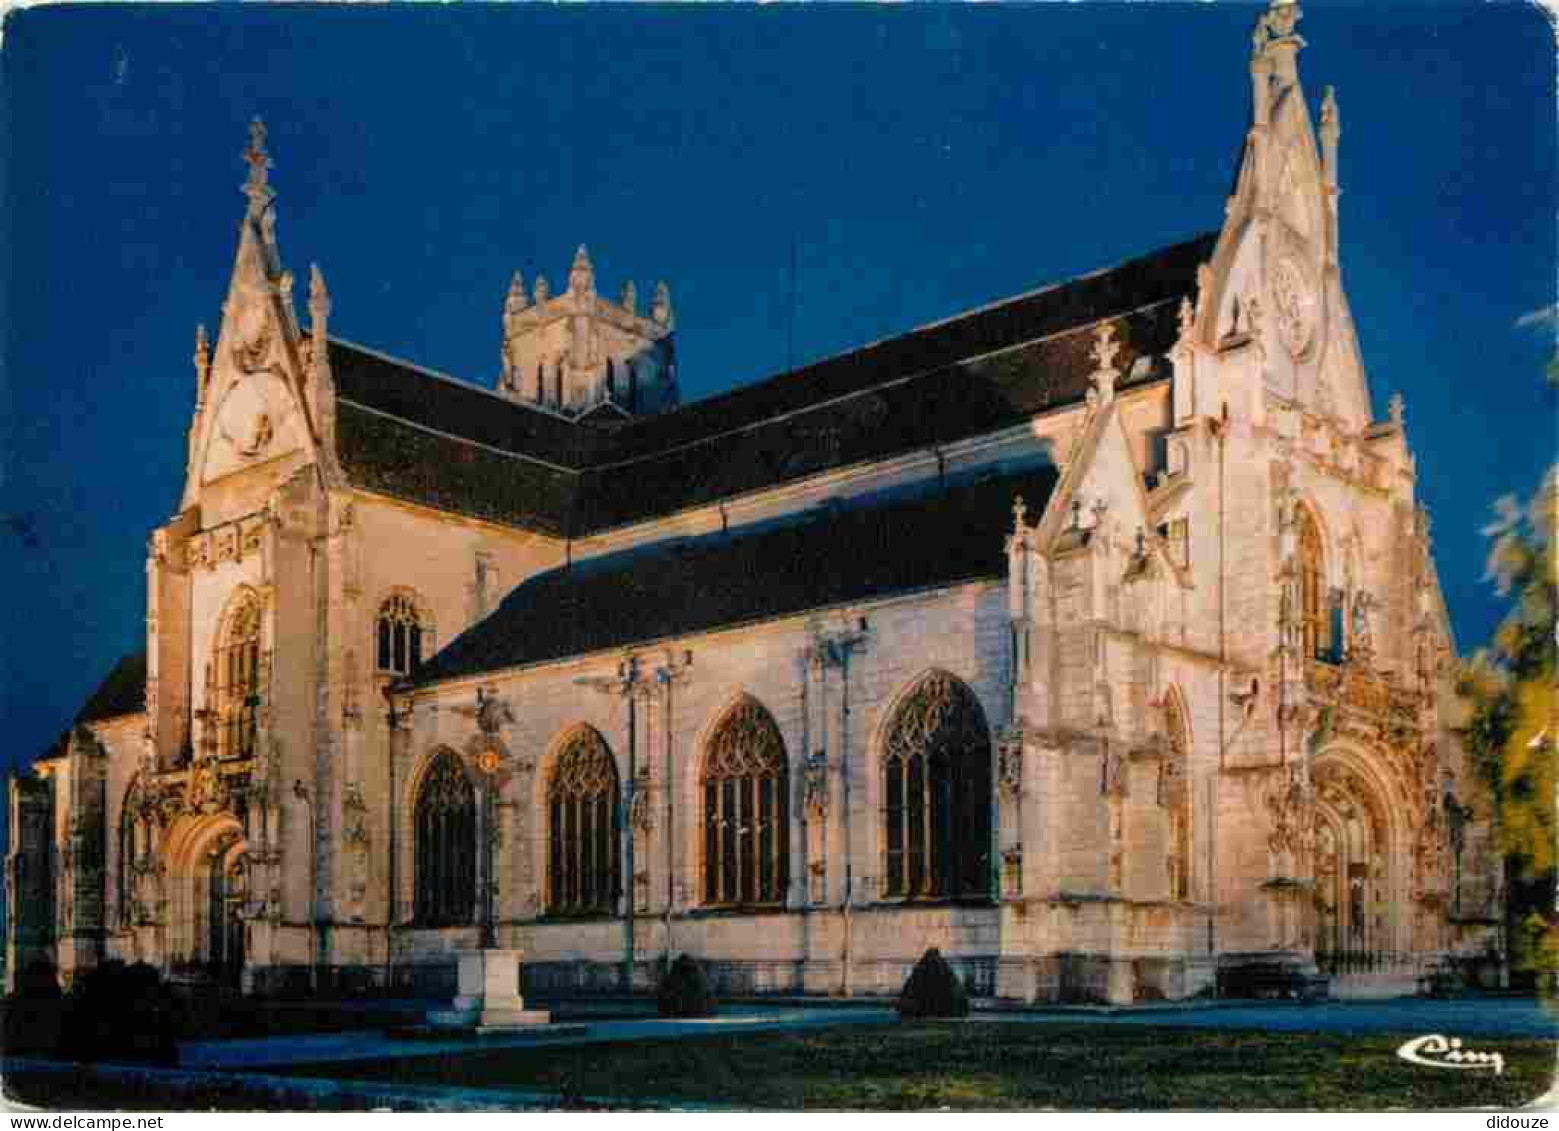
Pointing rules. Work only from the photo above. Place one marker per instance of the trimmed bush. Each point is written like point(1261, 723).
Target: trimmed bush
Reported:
point(34, 1012)
point(684, 990)
point(120, 1013)
point(933, 990)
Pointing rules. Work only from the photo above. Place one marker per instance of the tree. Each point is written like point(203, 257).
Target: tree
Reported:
point(1512, 733)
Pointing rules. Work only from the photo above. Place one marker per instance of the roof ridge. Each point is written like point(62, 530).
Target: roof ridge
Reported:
point(432, 431)
point(984, 308)
point(445, 377)
point(826, 402)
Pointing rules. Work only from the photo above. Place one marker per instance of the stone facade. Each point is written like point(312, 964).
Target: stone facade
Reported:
point(1200, 675)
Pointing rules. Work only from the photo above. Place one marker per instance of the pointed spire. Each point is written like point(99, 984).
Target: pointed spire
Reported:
point(1331, 131)
point(202, 364)
point(1276, 44)
point(661, 310)
point(1397, 408)
point(581, 276)
point(514, 305)
point(630, 301)
point(543, 291)
point(319, 302)
point(258, 187)
point(1020, 510)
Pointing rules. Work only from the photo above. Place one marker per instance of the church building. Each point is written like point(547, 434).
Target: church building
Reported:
point(1092, 636)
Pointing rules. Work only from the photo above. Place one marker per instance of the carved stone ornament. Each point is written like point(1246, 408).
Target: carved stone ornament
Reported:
point(1289, 809)
point(354, 815)
point(1009, 773)
point(816, 787)
point(206, 792)
point(1293, 299)
point(641, 813)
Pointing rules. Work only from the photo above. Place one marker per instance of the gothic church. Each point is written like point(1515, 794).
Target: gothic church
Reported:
point(1092, 637)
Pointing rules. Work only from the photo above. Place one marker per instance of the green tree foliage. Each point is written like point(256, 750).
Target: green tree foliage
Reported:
point(1512, 733)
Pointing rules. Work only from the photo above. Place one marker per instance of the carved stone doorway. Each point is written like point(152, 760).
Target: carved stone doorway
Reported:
point(1355, 869)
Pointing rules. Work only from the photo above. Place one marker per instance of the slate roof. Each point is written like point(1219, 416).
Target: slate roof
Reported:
point(122, 692)
point(409, 434)
point(820, 558)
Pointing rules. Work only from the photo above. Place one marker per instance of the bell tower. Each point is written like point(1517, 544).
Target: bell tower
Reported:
point(576, 352)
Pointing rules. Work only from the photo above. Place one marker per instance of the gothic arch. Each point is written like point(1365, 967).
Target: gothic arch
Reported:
point(1359, 857)
point(236, 675)
point(444, 842)
point(1175, 794)
point(405, 606)
point(744, 805)
point(197, 851)
point(933, 757)
point(582, 801)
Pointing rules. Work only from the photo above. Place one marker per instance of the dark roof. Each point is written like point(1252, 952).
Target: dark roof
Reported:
point(123, 692)
point(819, 558)
point(409, 434)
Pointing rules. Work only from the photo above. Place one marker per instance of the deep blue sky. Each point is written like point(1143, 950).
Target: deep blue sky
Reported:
point(925, 160)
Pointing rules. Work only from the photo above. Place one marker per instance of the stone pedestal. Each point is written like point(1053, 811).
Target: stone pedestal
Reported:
point(489, 999)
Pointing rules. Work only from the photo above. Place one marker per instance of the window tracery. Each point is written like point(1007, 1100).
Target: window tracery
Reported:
point(446, 845)
point(583, 874)
point(239, 677)
point(936, 772)
point(746, 809)
point(400, 631)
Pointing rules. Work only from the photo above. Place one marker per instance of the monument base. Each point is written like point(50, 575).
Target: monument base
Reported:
point(489, 1000)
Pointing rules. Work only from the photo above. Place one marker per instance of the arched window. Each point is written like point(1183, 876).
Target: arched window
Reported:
point(239, 679)
point(1315, 615)
point(582, 873)
point(936, 787)
point(446, 845)
point(399, 636)
point(746, 809)
point(135, 845)
point(1176, 798)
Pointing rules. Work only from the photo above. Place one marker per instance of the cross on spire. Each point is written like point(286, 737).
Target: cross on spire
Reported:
point(258, 188)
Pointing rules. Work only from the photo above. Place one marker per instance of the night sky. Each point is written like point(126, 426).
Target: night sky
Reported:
point(919, 160)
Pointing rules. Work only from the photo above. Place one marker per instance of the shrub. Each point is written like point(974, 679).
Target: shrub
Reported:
point(933, 990)
point(34, 1011)
point(684, 991)
point(116, 1012)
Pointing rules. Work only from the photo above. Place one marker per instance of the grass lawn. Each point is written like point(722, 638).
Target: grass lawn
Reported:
point(989, 1065)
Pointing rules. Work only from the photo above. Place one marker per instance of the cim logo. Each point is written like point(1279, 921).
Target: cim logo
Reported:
point(1435, 1051)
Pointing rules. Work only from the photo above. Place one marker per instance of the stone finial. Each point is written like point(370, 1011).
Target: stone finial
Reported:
point(1187, 318)
point(581, 276)
point(1020, 511)
point(514, 304)
point(202, 364)
point(1281, 18)
point(1105, 348)
point(319, 301)
point(661, 310)
point(258, 188)
point(1330, 122)
point(542, 291)
point(630, 299)
point(1397, 407)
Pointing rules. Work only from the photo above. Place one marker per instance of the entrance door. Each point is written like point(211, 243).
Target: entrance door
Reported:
point(229, 891)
